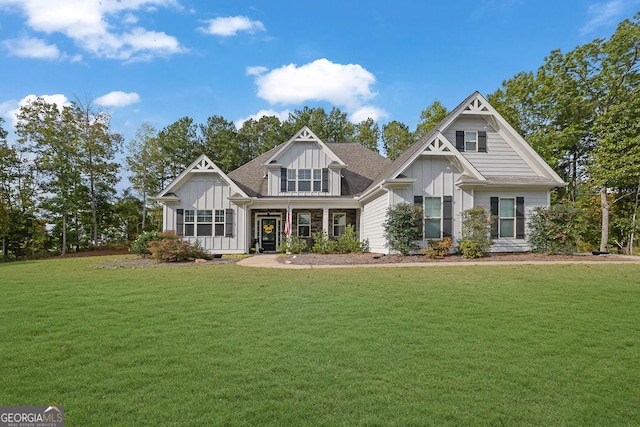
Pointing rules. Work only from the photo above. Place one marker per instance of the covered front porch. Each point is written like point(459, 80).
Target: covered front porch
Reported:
point(268, 224)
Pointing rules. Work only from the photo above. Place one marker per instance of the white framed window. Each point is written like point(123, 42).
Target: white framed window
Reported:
point(432, 217)
point(339, 223)
point(304, 224)
point(507, 218)
point(470, 140)
point(189, 222)
point(204, 220)
point(219, 222)
point(292, 180)
point(304, 179)
point(317, 179)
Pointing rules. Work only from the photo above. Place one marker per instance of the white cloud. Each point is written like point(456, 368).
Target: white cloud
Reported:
point(118, 99)
point(281, 115)
point(604, 15)
point(348, 86)
point(99, 27)
point(27, 47)
point(231, 26)
point(367, 112)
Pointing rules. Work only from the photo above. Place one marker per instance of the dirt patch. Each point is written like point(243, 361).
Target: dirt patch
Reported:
point(137, 262)
point(370, 258)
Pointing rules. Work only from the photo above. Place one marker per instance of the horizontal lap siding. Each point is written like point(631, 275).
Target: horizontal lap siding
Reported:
point(532, 199)
point(374, 215)
point(500, 159)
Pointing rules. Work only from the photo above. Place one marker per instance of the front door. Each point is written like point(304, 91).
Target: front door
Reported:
point(268, 233)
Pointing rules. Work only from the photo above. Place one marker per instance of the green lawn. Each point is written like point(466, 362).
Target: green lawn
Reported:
point(230, 345)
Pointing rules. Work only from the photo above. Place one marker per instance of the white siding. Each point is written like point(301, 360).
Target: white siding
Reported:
point(373, 216)
point(208, 191)
point(500, 159)
point(532, 199)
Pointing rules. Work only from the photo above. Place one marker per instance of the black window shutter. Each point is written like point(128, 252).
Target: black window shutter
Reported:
point(417, 200)
point(179, 221)
point(482, 141)
point(283, 179)
point(494, 217)
point(325, 180)
point(460, 140)
point(519, 217)
point(447, 216)
point(228, 223)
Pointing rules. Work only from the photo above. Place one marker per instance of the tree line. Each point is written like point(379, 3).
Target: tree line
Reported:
point(580, 111)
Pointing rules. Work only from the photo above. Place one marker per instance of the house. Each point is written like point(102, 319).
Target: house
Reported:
point(473, 157)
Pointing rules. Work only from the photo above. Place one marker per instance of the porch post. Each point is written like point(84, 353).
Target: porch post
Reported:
point(325, 220)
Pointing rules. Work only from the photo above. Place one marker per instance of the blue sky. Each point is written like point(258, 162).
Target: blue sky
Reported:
point(160, 60)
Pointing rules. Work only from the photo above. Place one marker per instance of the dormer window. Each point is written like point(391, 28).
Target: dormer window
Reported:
point(304, 180)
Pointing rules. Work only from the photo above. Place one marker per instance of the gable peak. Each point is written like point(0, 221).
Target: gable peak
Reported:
point(476, 105)
point(204, 165)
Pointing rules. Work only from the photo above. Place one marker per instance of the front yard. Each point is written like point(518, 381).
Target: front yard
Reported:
point(230, 345)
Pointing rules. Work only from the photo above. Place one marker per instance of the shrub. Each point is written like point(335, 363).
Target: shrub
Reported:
point(322, 244)
point(403, 227)
point(437, 248)
point(173, 249)
point(293, 245)
point(140, 246)
point(349, 242)
point(555, 229)
point(476, 232)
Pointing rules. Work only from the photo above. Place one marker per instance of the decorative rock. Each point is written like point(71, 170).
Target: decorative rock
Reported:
point(200, 261)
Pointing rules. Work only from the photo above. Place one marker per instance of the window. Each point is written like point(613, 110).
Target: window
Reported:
point(219, 222)
point(470, 140)
point(304, 180)
point(189, 222)
point(507, 218)
point(291, 180)
point(317, 179)
point(432, 218)
point(339, 224)
point(304, 225)
point(204, 220)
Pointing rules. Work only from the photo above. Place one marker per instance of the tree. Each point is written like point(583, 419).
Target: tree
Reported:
point(220, 143)
point(258, 137)
point(396, 138)
point(332, 127)
point(430, 117)
point(145, 162)
point(367, 134)
point(179, 146)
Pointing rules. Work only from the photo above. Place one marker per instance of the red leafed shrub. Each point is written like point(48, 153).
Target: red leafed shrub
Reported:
point(173, 249)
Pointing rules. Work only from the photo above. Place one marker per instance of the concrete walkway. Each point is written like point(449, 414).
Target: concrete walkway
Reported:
point(271, 261)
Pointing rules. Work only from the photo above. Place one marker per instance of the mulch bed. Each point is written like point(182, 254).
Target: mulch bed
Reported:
point(371, 258)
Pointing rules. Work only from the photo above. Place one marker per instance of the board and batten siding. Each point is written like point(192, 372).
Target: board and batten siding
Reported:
point(374, 214)
point(499, 160)
point(434, 176)
point(532, 199)
point(208, 191)
point(304, 155)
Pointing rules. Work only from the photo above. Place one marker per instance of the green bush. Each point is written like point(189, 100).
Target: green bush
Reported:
point(403, 227)
point(140, 246)
point(476, 232)
point(171, 248)
point(322, 244)
point(555, 229)
point(293, 245)
point(349, 242)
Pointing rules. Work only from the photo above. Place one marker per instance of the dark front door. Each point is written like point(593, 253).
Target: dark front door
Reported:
point(268, 231)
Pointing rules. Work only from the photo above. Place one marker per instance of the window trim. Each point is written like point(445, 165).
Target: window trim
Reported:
point(506, 218)
point(427, 218)
point(475, 141)
point(334, 225)
point(201, 219)
point(307, 225)
point(189, 223)
point(218, 222)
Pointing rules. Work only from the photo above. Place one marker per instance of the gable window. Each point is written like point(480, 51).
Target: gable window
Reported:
point(339, 224)
point(204, 222)
point(304, 179)
point(470, 140)
point(304, 225)
point(189, 222)
point(432, 218)
point(219, 222)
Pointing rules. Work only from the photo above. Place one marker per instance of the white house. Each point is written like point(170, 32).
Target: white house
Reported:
point(473, 157)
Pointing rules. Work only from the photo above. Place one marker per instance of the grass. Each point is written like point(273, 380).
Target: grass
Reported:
point(227, 345)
